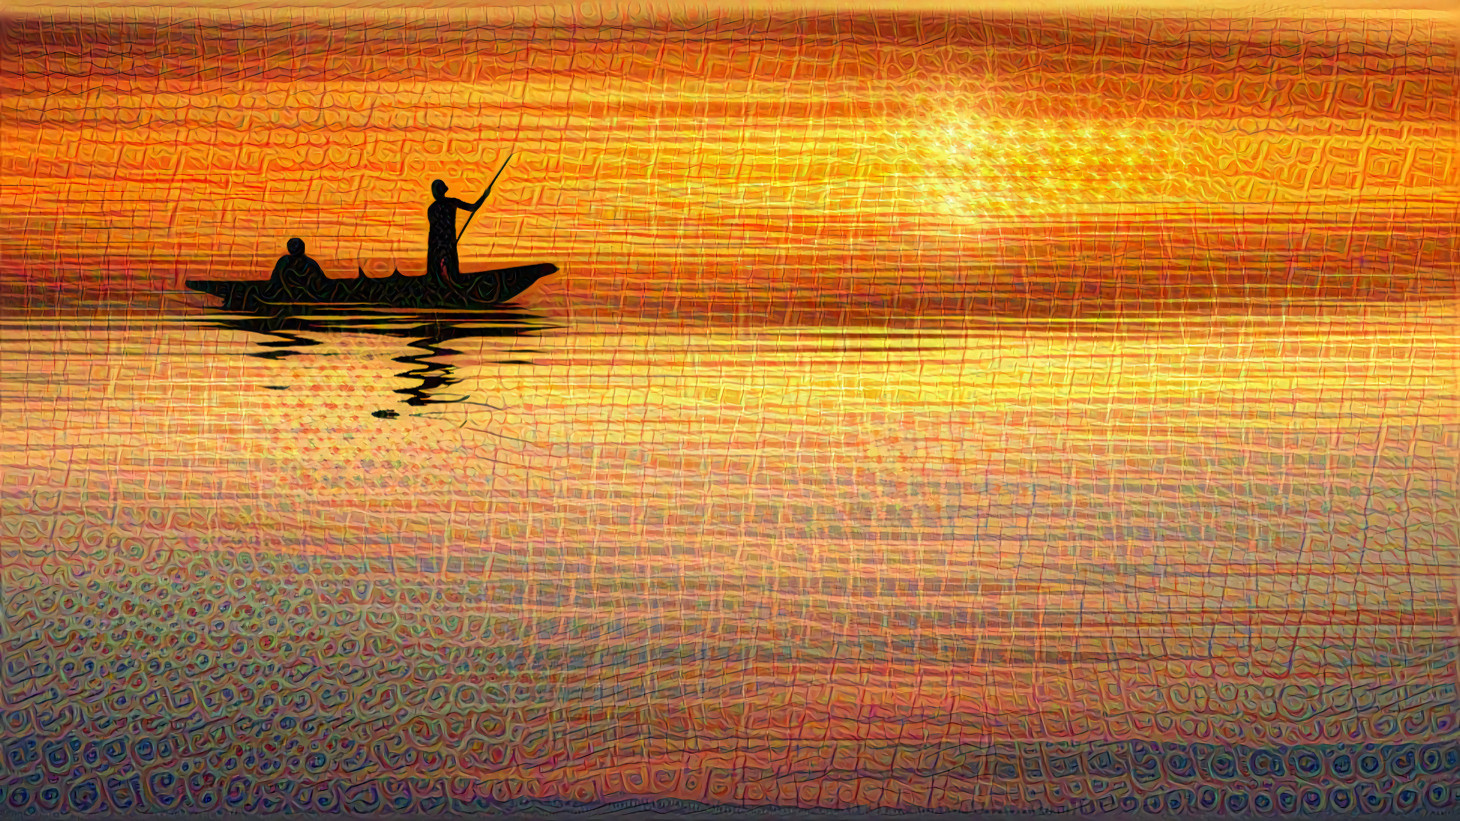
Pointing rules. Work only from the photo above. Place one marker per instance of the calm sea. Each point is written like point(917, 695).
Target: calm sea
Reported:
point(819, 478)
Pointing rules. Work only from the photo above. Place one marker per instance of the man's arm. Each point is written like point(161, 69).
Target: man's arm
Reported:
point(472, 206)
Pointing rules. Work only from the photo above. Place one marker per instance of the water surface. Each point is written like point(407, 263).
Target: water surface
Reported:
point(956, 564)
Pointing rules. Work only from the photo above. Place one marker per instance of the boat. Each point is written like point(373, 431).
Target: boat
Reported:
point(467, 290)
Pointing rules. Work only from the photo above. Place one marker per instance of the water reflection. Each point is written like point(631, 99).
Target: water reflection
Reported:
point(430, 366)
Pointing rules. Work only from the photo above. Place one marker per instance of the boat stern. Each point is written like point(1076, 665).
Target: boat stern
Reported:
point(237, 296)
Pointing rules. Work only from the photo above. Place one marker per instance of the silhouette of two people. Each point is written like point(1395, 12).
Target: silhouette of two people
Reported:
point(441, 260)
point(297, 273)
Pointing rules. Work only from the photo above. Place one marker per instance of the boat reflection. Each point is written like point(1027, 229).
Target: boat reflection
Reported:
point(428, 332)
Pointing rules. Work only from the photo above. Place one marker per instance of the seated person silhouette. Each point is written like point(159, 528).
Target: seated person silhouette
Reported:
point(295, 272)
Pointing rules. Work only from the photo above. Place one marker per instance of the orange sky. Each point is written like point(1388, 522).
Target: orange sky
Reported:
point(1384, 8)
point(987, 150)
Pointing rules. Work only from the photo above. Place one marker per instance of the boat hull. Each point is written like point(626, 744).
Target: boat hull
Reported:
point(469, 290)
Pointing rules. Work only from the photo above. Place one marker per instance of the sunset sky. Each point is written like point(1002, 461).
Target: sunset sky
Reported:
point(1132, 156)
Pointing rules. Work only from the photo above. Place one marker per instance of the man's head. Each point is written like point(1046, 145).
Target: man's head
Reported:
point(438, 189)
point(296, 247)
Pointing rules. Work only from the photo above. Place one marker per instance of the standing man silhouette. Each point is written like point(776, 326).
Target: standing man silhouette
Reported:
point(441, 261)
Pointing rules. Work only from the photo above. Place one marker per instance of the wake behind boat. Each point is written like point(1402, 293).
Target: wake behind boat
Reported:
point(465, 290)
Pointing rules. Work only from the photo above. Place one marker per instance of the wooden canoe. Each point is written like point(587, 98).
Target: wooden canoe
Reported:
point(469, 290)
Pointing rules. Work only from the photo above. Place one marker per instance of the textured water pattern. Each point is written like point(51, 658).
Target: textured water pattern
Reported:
point(932, 413)
point(1208, 562)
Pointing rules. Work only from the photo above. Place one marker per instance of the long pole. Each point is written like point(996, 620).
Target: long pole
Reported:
point(484, 197)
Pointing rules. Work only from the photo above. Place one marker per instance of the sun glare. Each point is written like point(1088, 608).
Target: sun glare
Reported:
point(977, 165)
